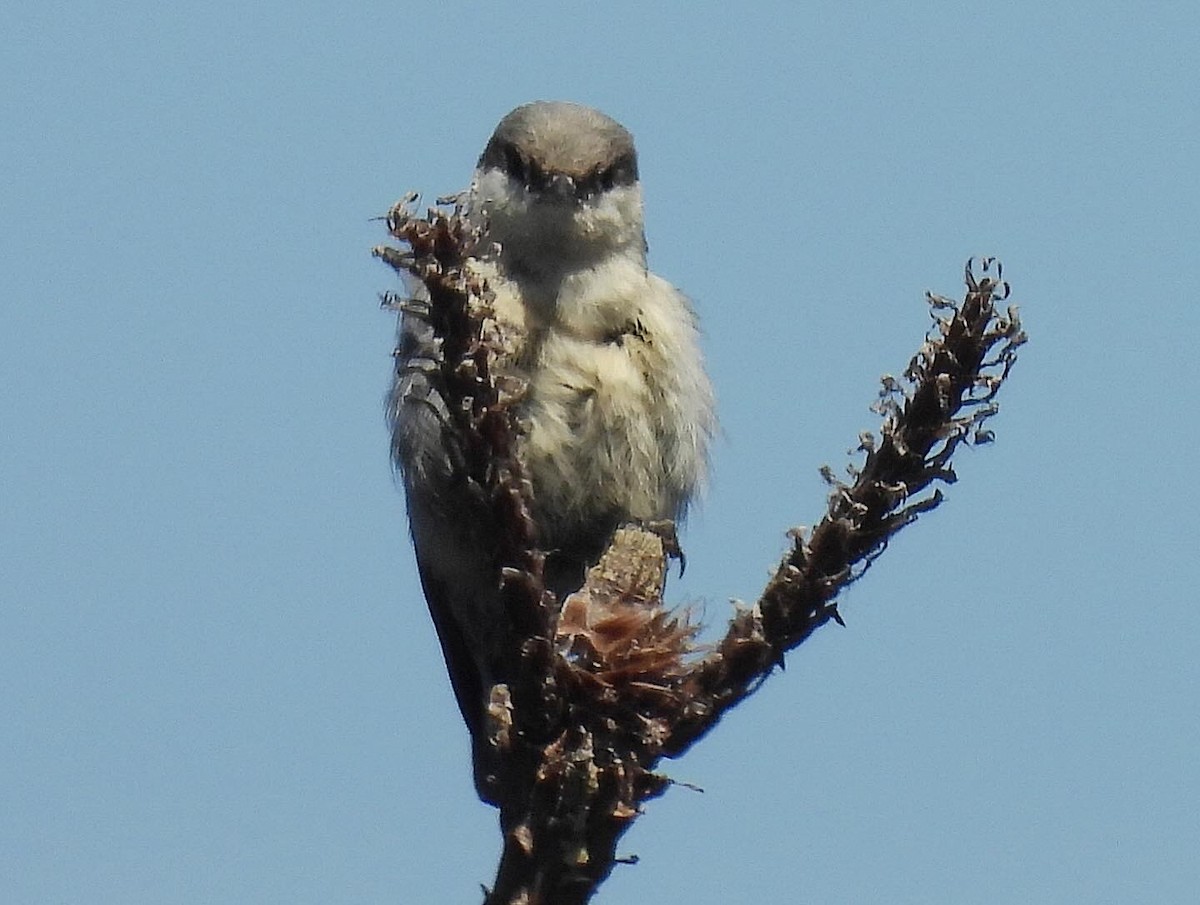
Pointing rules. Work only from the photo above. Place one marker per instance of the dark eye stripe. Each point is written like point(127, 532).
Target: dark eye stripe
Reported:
point(505, 155)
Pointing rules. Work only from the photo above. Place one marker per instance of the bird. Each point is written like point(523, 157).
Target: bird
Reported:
point(618, 411)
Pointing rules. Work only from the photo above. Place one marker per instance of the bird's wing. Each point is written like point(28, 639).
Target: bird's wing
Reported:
point(453, 556)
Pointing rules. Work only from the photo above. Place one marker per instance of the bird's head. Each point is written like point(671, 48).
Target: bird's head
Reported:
point(557, 186)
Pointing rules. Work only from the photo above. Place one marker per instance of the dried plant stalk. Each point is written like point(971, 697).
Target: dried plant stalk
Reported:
point(602, 686)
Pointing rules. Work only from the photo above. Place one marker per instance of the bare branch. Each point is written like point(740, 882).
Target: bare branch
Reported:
point(600, 689)
point(924, 423)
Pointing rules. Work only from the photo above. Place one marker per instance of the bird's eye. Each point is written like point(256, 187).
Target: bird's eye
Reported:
point(514, 163)
point(535, 176)
point(623, 171)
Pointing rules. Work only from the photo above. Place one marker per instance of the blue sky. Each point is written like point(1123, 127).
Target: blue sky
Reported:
point(218, 682)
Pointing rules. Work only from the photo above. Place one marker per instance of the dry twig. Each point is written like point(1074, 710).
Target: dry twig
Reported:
point(600, 689)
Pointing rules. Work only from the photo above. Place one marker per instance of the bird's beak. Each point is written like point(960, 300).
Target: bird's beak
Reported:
point(560, 189)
